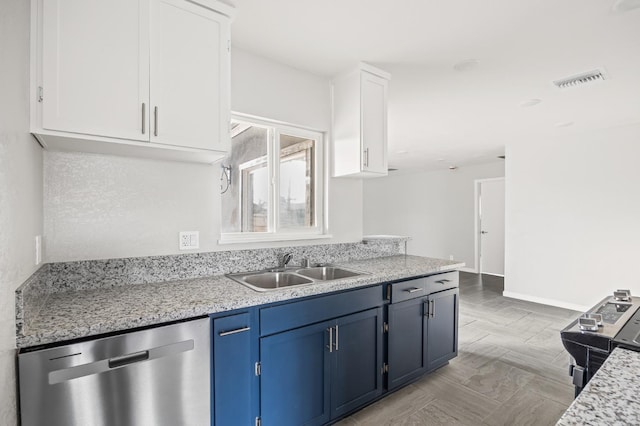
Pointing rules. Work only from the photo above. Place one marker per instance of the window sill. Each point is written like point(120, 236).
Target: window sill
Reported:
point(254, 238)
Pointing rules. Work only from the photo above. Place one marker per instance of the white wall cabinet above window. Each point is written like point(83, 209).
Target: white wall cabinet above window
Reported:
point(145, 78)
point(360, 123)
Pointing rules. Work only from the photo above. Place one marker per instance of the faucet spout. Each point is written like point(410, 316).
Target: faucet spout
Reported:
point(286, 258)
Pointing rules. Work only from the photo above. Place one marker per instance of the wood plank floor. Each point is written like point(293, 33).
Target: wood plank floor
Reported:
point(511, 367)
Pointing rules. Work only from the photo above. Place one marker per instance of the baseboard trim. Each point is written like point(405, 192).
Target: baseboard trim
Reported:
point(495, 275)
point(545, 301)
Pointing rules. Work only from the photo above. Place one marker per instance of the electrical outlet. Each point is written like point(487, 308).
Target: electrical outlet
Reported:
point(450, 257)
point(189, 240)
point(38, 249)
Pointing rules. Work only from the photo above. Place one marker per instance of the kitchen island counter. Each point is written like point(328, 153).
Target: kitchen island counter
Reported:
point(66, 315)
point(611, 396)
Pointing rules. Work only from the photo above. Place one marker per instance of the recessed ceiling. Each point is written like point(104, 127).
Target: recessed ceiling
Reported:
point(437, 112)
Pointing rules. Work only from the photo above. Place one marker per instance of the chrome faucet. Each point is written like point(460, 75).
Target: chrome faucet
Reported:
point(285, 259)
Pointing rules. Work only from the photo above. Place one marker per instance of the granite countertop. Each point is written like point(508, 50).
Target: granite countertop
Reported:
point(611, 396)
point(80, 313)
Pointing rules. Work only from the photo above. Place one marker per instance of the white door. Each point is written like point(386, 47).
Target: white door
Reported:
point(95, 67)
point(189, 75)
point(491, 210)
point(374, 123)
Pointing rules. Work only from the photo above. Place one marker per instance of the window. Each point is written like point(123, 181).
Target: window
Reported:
point(272, 182)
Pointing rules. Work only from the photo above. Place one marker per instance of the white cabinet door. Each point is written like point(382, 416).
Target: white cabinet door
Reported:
point(374, 123)
point(95, 67)
point(189, 76)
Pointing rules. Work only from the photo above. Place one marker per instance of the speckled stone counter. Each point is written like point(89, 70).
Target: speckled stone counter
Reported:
point(65, 315)
point(612, 396)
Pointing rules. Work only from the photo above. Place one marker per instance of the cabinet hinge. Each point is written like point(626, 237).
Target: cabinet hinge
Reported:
point(258, 369)
point(258, 421)
point(228, 45)
point(40, 94)
point(385, 327)
point(385, 368)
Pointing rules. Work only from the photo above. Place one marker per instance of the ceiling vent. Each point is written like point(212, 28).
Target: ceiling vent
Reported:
point(580, 79)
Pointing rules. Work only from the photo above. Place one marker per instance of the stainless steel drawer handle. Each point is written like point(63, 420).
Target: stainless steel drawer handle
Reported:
point(144, 118)
point(443, 281)
point(128, 359)
point(413, 290)
point(155, 121)
point(236, 331)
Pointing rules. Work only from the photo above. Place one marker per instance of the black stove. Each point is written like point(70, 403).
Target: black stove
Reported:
point(614, 321)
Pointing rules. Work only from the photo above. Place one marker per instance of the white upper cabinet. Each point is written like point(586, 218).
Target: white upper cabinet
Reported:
point(188, 46)
point(94, 78)
point(360, 123)
point(146, 78)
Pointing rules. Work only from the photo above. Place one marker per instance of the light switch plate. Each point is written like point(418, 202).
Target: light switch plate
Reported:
point(189, 240)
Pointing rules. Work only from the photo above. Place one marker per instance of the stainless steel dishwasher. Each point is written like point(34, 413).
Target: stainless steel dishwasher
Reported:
point(158, 376)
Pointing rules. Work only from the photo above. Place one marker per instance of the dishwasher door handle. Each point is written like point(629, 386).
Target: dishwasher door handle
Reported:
point(119, 361)
point(100, 366)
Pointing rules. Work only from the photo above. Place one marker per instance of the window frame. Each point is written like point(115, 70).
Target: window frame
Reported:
point(275, 231)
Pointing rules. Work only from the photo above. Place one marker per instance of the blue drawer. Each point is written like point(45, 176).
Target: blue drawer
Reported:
point(297, 314)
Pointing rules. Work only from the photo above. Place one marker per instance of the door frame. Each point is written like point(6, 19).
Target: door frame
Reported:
point(476, 221)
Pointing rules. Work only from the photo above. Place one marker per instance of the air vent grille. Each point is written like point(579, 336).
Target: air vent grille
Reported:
point(580, 79)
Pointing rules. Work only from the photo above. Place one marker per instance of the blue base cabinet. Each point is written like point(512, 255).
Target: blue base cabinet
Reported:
point(356, 373)
point(295, 374)
point(442, 328)
point(235, 384)
point(407, 347)
point(317, 373)
point(423, 327)
point(316, 360)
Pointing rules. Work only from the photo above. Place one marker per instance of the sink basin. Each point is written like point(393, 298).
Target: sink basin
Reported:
point(270, 280)
point(274, 279)
point(325, 273)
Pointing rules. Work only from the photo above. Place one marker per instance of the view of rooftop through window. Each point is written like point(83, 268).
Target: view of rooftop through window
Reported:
point(268, 163)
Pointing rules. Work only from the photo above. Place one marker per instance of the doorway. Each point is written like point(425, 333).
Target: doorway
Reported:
point(489, 229)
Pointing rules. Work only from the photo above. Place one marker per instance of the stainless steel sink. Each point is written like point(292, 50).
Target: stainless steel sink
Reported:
point(270, 280)
point(325, 273)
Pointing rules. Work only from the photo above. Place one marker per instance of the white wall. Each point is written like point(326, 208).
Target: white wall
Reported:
point(20, 188)
point(573, 217)
point(436, 209)
point(100, 207)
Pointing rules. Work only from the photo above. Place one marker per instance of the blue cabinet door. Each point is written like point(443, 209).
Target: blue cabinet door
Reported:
point(407, 341)
point(442, 328)
point(295, 378)
point(357, 361)
point(235, 383)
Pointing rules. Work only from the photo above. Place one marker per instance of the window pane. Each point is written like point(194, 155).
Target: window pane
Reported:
point(297, 182)
point(245, 186)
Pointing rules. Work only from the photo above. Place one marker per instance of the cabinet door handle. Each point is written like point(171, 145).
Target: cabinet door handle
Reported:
point(443, 281)
point(330, 345)
point(155, 121)
point(230, 332)
point(366, 157)
point(413, 290)
point(337, 338)
point(144, 118)
point(433, 308)
point(425, 306)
